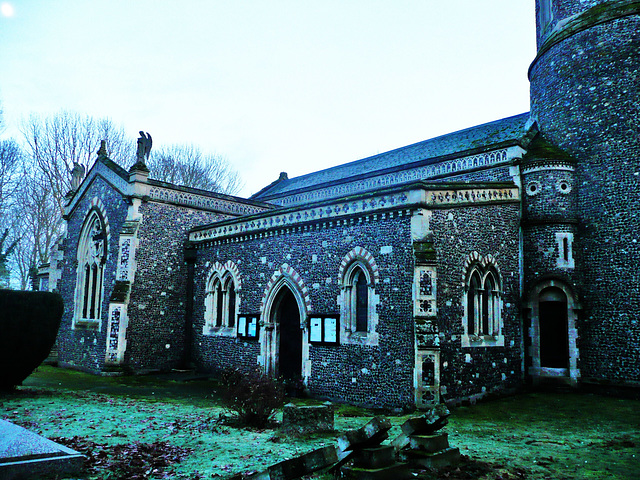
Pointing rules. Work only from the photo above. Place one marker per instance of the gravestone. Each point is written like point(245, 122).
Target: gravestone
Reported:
point(303, 420)
point(24, 455)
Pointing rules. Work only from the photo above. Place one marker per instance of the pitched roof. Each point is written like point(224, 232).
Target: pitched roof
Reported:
point(506, 131)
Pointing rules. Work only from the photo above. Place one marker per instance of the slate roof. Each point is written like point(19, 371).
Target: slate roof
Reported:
point(500, 133)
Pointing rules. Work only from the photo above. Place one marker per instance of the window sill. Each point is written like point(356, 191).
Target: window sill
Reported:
point(210, 331)
point(359, 338)
point(482, 340)
point(87, 324)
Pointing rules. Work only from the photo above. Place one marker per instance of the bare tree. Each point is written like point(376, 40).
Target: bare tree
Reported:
point(38, 225)
point(6, 249)
point(56, 142)
point(187, 165)
point(10, 159)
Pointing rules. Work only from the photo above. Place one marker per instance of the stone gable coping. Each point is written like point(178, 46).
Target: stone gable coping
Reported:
point(421, 195)
point(104, 171)
point(201, 201)
point(171, 194)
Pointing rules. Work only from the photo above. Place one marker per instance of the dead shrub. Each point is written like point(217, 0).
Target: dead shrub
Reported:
point(253, 396)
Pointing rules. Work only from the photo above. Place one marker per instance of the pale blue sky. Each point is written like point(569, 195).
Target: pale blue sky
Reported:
point(274, 86)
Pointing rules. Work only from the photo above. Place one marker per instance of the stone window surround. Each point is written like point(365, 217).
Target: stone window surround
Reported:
point(486, 269)
point(96, 213)
point(565, 258)
point(219, 281)
point(347, 303)
point(531, 306)
point(545, 15)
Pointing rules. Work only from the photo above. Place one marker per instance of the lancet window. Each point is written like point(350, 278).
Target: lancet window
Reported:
point(92, 254)
point(221, 302)
point(483, 306)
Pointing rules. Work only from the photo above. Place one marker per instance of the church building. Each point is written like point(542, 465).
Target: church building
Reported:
point(446, 270)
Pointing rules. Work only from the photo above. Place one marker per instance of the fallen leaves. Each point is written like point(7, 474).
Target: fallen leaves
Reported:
point(135, 461)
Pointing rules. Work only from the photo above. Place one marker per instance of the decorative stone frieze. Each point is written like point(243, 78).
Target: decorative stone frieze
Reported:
point(202, 202)
point(421, 195)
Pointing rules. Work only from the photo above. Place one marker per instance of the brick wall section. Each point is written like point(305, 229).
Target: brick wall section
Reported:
point(584, 93)
point(490, 230)
point(157, 303)
point(84, 349)
point(366, 375)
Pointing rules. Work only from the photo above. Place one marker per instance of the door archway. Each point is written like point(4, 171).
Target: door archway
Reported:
point(284, 348)
point(552, 350)
point(286, 315)
point(554, 328)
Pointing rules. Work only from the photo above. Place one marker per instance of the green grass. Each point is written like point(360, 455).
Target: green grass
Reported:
point(533, 435)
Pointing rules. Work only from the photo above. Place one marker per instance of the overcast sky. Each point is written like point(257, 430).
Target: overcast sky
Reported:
point(273, 86)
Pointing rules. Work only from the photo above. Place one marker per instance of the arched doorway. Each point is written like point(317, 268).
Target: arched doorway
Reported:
point(554, 329)
point(286, 315)
point(550, 321)
point(284, 349)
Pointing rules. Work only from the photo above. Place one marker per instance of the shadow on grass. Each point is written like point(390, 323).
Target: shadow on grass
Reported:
point(176, 386)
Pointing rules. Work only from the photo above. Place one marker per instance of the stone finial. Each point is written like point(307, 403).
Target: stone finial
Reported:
point(283, 176)
point(102, 151)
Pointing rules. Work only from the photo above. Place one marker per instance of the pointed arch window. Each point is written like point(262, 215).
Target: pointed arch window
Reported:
point(474, 298)
point(358, 302)
point(483, 307)
point(231, 303)
point(221, 301)
point(219, 296)
point(92, 255)
point(360, 292)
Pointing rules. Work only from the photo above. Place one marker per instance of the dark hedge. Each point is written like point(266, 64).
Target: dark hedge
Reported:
point(29, 323)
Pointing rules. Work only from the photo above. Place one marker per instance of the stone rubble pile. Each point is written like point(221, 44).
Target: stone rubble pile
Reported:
point(361, 455)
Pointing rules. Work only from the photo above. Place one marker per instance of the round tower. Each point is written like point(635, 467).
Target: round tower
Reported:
point(585, 100)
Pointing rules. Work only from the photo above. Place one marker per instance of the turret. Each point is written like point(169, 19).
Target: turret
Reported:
point(585, 102)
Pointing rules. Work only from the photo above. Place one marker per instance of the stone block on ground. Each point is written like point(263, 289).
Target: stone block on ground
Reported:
point(302, 420)
point(371, 434)
point(304, 464)
point(430, 443)
point(398, 471)
point(430, 422)
point(374, 457)
point(447, 457)
point(400, 441)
